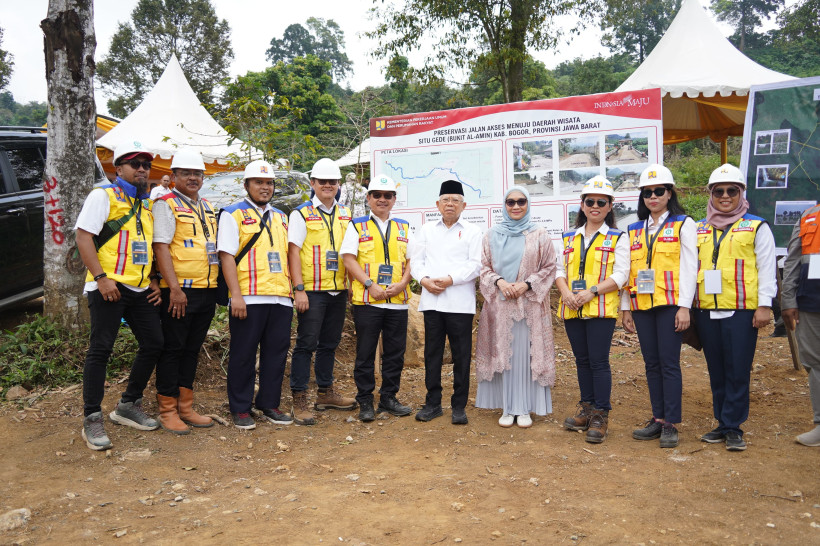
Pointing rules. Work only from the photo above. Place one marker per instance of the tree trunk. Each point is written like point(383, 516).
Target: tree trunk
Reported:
point(520, 13)
point(69, 174)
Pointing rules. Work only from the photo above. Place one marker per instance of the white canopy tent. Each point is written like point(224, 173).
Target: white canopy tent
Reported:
point(171, 117)
point(358, 155)
point(704, 79)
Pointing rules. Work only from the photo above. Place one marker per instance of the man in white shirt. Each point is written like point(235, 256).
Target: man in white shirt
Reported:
point(163, 189)
point(446, 258)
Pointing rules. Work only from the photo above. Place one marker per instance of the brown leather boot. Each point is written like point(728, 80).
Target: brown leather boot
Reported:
point(328, 398)
point(169, 417)
point(581, 419)
point(301, 412)
point(187, 413)
point(598, 423)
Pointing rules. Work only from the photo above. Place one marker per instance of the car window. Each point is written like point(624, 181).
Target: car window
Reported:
point(28, 165)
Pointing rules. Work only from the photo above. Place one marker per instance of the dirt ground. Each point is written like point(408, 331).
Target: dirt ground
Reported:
point(398, 481)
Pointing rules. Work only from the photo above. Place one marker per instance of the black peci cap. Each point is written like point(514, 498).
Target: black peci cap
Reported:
point(451, 187)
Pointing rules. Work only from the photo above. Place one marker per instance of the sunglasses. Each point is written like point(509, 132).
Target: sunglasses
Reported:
point(646, 194)
point(731, 192)
point(592, 202)
point(327, 182)
point(382, 195)
point(513, 202)
point(136, 164)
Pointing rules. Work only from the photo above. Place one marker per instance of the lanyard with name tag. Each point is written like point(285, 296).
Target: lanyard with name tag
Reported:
point(139, 252)
point(210, 250)
point(331, 256)
point(713, 278)
point(274, 262)
point(385, 275)
point(332, 260)
point(581, 284)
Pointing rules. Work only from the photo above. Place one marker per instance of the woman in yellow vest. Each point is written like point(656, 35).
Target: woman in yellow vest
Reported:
point(594, 266)
point(661, 286)
point(736, 284)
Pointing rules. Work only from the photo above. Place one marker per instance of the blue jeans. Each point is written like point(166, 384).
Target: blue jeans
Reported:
point(591, 340)
point(660, 345)
point(319, 331)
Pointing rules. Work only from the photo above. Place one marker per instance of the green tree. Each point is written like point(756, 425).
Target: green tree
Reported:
point(484, 88)
point(596, 75)
point(323, 38)
point(634, 27)
point(744, 15)
point(801, 20)
point(141, 49)
point(6, 64)
point(33, 114)
point(502, 31)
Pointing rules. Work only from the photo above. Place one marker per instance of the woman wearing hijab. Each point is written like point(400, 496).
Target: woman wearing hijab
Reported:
point(736, 284)
point(515, 356)
point(594, 266)
point(662, 284)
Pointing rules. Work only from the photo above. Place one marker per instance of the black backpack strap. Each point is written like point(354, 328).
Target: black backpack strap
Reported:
point(253, 240)
point(111, 228)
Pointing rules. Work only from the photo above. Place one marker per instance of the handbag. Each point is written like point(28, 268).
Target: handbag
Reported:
point(690, 335)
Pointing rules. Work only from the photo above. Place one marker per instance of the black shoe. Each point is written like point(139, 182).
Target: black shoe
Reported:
point(713, 437)
point(366, 413)
point(428, 413)
point(459, 416)
point(651, 431)
point(389, 403)
point(735, 442)
point(273, 415)
point(669, 435)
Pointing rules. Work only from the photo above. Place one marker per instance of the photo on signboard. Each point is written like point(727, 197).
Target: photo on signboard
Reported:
point(536, 154)
point(536, 182)
point(772, 177)
point(626, 212)
point(579, 152)
point(571, 181)
point(772, 142)
point(787, 213)
point(625, 177)
point(572, 214)
point(626, 148)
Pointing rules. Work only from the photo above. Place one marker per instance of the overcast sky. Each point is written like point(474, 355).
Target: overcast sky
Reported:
point(253, 23)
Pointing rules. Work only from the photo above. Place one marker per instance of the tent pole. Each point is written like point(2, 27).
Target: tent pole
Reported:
point(724, 151)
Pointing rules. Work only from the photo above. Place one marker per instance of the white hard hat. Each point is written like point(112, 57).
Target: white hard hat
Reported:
point(656, 174)
point(186, 158)
point(381, 183)
point(129, 150)
point(727, 173)
point(258, 169)
point(326, 169)
point(598, 184)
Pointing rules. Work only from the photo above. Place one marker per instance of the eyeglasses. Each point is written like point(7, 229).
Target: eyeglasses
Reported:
point(513, 202)
point(185, 173)
point(136, 164)
point(731, 192)
point(592, 202)
point(326, 182)
point(448, 200)
point(382, 195)
point(646, 194)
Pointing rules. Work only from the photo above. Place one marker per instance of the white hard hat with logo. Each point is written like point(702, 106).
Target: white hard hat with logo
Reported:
point(381, 183)
point(727, 173)
point(186, 158)
point(598, 184)
point(656, 174)
point(258, 169)
point(326, 169)
point(129, 150)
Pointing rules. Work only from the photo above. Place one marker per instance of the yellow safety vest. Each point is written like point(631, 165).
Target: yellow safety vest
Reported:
point(600, 262)
point(665, 261)
point(737, 262)
point(115, 256)
point(371, 255)
point(254, 270)
point(315, 275)
point(188, 251)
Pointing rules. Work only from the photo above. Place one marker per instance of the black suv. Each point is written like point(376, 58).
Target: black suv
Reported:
point(22, 162)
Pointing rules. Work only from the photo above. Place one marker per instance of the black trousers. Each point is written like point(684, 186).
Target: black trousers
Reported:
point(183, 339)
point(319, 331)
point(458, 327)
point(106, 316)
point(591, 340)
point(372, 322)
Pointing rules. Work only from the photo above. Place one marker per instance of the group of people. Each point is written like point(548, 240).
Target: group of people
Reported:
point(159, 264)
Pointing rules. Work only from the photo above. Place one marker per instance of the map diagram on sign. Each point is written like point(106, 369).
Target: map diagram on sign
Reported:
point(419, 174)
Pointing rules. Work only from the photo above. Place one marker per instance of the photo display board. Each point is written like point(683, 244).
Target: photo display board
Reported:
point(781, 153)
point(551, 147)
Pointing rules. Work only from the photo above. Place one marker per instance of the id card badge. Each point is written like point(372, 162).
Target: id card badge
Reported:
point(385, 275)
point(332, 260)
point(210, 249)
point(579, 285)
point(646, 281)
point(274, 262)
point(814, 266)
point(713, 281)
point(139, 252)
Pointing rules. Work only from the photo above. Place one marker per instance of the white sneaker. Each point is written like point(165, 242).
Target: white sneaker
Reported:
point(810, 438)
point(524, 421)
point(506, 421)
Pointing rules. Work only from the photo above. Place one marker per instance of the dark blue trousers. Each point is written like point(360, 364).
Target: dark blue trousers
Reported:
point(267, 327)
point(729, 347)
point(660, 345)
point(391, 325)
point(591, 340)
point(319, 331)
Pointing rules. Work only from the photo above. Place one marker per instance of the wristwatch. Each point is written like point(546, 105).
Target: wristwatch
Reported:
point(299, 287)
point(594, 289)
point(368, 283)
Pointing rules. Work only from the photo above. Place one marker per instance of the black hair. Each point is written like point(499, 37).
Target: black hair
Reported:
point(673, 206)
point(581, 219)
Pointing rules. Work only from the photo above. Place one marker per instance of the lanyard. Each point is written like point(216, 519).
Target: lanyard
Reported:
point(650, 244)
point(265, 224)
point(717, 242)
point(582, 266)
point(199, 213)
point(384, 240)
point(329, 225)
point(138, 206)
